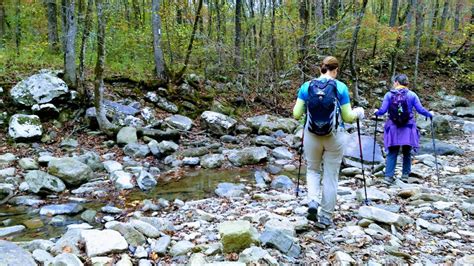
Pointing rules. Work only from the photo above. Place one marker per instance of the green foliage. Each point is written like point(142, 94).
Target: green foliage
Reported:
point(130, 52)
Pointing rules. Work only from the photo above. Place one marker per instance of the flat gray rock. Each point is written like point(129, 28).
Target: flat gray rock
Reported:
point(12, 254)
point(99, 242)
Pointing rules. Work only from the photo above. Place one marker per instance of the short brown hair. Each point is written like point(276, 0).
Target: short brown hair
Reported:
point(329, 63)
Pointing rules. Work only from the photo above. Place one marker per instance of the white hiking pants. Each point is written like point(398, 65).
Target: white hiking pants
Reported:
point(329, 151)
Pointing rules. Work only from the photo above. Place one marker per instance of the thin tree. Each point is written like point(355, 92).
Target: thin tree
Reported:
point(394, 54)
point(303, 42)
point(17, 26)
point(2, 24)
point(157, 51)
point(419, 33)
point(410, 13)
point(353, 49)
point(442, 24)
point(70, 28)
point(318, 12)
point(238, 32)
point(87, 22)
point(379, 20)
point(272, 39)
point(434, 20)
point(191, 41)
point(394, 13)
point(105, 125)
point(457, 15)
point(52, 14)
point(333, 17)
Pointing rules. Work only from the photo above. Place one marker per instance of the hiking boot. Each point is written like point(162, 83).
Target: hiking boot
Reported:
point(313, 211)
point(404, 178)
point(388, 180)
point(324, 222)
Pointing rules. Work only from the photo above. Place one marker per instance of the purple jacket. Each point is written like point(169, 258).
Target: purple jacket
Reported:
point(407, 134)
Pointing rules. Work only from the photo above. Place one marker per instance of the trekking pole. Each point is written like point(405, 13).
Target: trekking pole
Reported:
point(362, 162)
point(299, 168)
point(434, 149)
point(375, 142)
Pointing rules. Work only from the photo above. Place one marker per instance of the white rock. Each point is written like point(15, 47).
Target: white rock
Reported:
point(101, 261)
point(67, 259)
point(124, 261)
point(112, 166)
point(103, 242)
point(25, 126)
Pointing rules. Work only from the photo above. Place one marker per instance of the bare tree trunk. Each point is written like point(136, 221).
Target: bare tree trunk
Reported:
point(434, 21)
point(353, 49)
point(105, 125)
point(303, 42)
point(272, 39)
point(191, 41)
point(17, 27)
point(318, 12)
point(254, 25)
point(2, 24)
point(238, 32)
point(126, 10)
point(457, 15)
point(393, 13)
point(69, 42)
point(51, 11)
point(219, 21)
point(410, 12)
point(333, 17)
point(376, 35)
point(136, 13)
point(442, 25)
point(87, 22)
point(263, 8)
point(419, 33)
point(158, 52)
point(209, 22)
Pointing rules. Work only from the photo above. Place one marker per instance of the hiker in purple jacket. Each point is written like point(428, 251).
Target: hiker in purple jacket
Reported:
point(400, 129)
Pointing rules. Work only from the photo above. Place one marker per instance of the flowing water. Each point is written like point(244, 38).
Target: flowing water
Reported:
point(192, 186)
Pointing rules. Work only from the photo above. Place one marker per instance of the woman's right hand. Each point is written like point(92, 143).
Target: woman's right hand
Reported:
point(359, 113)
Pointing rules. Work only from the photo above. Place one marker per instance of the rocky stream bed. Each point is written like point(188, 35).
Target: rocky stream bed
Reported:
point(221, 191)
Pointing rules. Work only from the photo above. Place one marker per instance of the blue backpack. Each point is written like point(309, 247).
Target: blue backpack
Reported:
point(322, 107)
point(398, 109)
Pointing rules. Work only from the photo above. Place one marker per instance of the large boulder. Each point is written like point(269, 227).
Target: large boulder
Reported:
point(136, 150)
point(465, 111)
point(12, 254)
point(383, 216)
point(181, 248)
point(468, 127)
point(442, 148)
point(281, 241)
point(247, 156)
point(6, 192)
point(103, 242)
point(55, 209)
point(229, 190)
point(127, 135)
point(267, 124)
point(38, 180)
point(217, 123)
point(70, 170)
point(352, 151)
point(237, 235)
point(180, 122)
point(39, 88)
point(455, 101)
point(211, 161)
point(25, 127)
